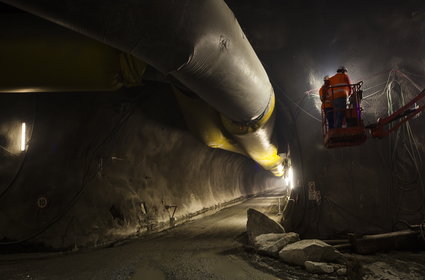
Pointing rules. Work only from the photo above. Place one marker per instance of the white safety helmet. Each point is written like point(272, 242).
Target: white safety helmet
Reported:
point(341, 69)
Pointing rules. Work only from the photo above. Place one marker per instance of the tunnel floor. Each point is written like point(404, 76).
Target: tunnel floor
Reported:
point(210, 247)
point(205, 248)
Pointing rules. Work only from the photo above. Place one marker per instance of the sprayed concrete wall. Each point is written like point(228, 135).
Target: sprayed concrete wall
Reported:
point(104, 166)
point(373, 188)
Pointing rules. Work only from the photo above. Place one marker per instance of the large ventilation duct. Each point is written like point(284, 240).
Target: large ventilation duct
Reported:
point(198, 42)
point(37, 56)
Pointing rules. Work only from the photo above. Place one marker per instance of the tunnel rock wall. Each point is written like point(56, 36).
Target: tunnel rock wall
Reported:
point(107, 166)
point(373, 188)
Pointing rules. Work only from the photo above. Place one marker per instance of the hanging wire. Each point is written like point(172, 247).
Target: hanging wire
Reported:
point(404, 152)
point(378, 85)
point(298, 106)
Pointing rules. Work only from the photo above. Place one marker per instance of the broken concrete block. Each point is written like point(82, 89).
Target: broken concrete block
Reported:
point(310, 250)
point(271, 243)
point(318, 267)
point(342, 271)
point(258, 224)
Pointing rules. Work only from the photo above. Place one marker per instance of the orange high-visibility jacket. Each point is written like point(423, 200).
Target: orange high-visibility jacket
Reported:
point(325, 96)
point(340, 83)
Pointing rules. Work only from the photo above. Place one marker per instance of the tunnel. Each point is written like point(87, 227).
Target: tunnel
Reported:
point(190, 139)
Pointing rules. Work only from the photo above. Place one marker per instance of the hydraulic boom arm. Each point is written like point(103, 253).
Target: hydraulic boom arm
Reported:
point(402, 115)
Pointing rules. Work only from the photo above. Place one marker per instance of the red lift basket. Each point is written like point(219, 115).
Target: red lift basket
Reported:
point(352, 132)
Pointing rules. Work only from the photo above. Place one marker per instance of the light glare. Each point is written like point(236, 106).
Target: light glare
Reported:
point(290, 178)
point(23, 137)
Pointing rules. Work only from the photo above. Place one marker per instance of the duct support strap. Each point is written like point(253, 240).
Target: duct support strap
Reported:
point(255, 137)
point(215, 130)
point(205, 123)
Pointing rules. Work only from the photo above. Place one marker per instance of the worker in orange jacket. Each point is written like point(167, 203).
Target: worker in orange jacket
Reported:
point(327, 102)
point(340, 88)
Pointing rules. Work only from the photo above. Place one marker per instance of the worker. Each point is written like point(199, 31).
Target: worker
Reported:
point(327, 103)
point(340, 90)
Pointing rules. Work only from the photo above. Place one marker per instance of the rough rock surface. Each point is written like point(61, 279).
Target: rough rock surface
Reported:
point(130, 159)
point(342, 271)
point(384, 271)
point(272, 243)
point(403, 265)
point(310, 250)
point(318, 267)
point(258, 224)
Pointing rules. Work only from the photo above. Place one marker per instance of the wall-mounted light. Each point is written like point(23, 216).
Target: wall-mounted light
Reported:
point(291, 178)
point(23, 137)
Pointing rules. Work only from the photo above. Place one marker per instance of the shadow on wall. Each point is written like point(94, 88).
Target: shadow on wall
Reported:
point(104, 166)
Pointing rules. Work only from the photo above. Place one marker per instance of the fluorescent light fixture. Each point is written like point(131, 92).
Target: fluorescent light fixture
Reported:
point(291, 178)
point(23, 137)
point(287, 180)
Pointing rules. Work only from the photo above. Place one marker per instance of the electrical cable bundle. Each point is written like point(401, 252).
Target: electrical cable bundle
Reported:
point(405, 156)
